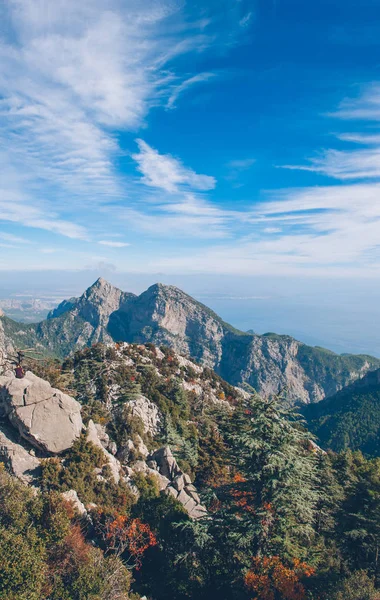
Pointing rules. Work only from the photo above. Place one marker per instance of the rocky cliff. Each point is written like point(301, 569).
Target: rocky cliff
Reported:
point(166, 315)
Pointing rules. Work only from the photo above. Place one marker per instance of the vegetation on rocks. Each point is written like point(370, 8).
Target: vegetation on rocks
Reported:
point(284, 520)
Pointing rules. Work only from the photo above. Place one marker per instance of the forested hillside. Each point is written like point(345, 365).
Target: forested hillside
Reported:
point(349, 419)
point(181, 486)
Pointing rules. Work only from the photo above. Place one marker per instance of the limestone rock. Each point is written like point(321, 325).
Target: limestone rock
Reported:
point(148, 412)
point(72, 496)
point(141, 447)
point(112, 447)
point(124, 453)
point(16, 458)
point(114, 464)
point(103, 436)
point(178, 483)
point(49, 419)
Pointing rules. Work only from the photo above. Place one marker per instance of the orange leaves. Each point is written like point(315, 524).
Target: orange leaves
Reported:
point(140, 538)
point(238, 478)
point(269, 579)
point(243, 499)
point(123, 535)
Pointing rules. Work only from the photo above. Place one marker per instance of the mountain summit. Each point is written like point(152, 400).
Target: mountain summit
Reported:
point(165, 315)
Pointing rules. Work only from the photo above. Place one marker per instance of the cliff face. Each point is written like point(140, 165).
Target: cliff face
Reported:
point(164, 315)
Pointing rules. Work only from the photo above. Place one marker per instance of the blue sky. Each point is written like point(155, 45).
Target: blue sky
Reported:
point(229, 138)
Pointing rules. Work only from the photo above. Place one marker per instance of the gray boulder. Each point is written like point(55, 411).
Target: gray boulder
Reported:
point(16, 458)
point(114, 464)
point(72, 496)
point(49, 419)
point(176, 483)
point(148, 412)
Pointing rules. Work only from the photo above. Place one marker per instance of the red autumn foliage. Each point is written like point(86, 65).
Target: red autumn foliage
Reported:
point(123, 535)
point(243, 499)
point(270, 579)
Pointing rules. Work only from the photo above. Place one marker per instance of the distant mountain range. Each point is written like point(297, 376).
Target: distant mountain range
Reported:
point(164, 315)
point(350, 418)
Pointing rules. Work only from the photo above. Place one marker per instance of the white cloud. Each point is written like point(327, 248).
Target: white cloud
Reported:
point(168, 173)
point(112, 244)
point(245, 21)
point(13, 238)
point(17, 208)
point(73, 73)
point(365, 107)
point(70, 76)
point(362, 163)
point(241, 164)
point(185, 85)
point(184, 216)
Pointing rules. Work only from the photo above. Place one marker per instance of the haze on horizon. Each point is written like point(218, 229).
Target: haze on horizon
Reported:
point(234, 152)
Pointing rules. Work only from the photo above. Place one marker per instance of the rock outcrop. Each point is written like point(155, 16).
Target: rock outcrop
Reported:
point(148, 412)
point(109, 459)
point(176, 482)
point(17, 459)
point(72, 497)
point(49, 419)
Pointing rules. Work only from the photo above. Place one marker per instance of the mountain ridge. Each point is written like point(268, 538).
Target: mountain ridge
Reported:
point(165, 315)
point(350, 418)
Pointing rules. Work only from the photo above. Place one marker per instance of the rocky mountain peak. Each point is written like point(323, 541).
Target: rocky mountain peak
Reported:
point(165, 315)
point(101, 289)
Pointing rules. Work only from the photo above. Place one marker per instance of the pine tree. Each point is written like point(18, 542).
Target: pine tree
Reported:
point(273, 497)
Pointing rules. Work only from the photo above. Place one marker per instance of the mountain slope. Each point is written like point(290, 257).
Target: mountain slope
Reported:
point(350, 418)
point(166, 315)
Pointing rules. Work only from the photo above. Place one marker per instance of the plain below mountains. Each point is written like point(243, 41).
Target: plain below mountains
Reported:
point(164, 315)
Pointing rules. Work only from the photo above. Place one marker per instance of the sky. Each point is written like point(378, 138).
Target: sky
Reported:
point(231, 147)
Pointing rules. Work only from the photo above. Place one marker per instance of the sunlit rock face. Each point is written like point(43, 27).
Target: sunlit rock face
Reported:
point(49, 419)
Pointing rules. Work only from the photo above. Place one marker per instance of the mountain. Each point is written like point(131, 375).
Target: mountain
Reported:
point(151, 488)
point(164, 315)
point(350, 418)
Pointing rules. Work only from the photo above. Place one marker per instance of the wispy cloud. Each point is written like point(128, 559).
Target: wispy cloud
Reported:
point(166, 172)
point(13, 238)
point(113, 244)
point(73, 75)
point(361, 163)
point(185, 85)
point(245, 21)
point(241, 164)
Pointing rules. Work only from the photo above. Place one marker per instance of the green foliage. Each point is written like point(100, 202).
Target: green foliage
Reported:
point(147, 486)
point(358, 586)
point(22, 564)
point(44, 555)
point(273, 498)
point(78, 472)
point(349, 419)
